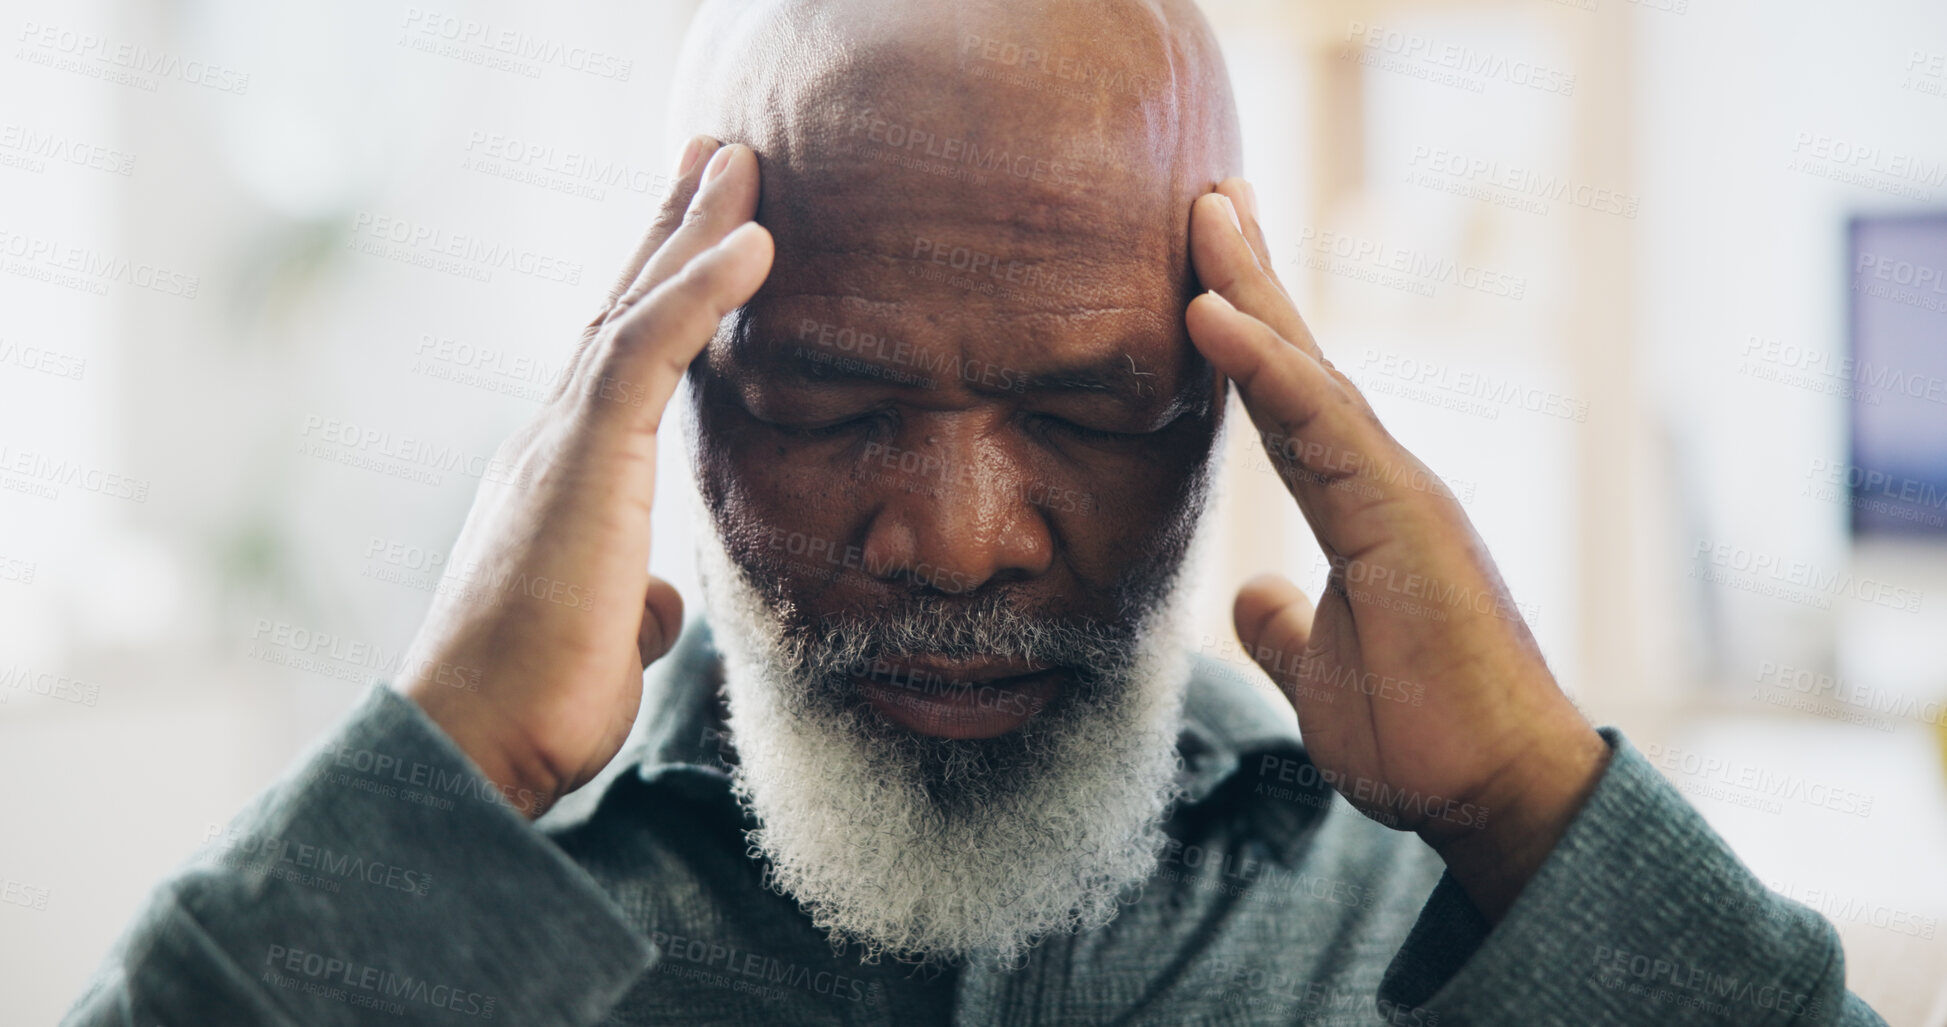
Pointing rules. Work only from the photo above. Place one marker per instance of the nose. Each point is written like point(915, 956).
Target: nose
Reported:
point(955, 515)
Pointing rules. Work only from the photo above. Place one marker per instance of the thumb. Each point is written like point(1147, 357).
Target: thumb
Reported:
point(662, 621)
point(1274, 622)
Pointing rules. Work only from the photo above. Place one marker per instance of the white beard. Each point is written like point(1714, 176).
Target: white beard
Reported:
point(936, 850)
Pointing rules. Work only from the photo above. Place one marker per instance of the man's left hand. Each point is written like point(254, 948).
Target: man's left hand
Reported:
point(1421, 693)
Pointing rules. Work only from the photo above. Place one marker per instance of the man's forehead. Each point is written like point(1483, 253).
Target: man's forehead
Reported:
point(1005, 260)
point(1122, 353)
point(1041, 117)
point(1003, 280)
point(988, 180)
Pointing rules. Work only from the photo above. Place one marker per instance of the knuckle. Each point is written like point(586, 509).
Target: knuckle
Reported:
point(668, 220)
point(677, 200)
point(695, 215)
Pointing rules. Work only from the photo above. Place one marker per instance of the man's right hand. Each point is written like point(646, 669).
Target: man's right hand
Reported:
point(532, 654)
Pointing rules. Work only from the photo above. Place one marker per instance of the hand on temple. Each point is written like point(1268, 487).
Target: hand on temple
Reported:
point(554, 666)
point(1421, 694)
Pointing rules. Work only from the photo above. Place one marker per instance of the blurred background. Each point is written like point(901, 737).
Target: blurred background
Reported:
point(1658, 286)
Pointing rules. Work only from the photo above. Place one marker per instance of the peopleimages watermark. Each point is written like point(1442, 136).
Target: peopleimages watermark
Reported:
point(38, 474)
point(1312, 673)
point(557, 169)
point(85, 269)
point(1387, 803)
point(1868, 704)
point(728, 965)
point(122, 63)
point(454, 253)
point(411, 780)
point(1406, 268)
point(1484, 393)
point(24, 895)
point(990, 275)
point(312, 865)
point(1897, 280)
point(1510, 185)
point(498, 371)
point(1795, 581)
point(1832, 373)
point(400, 456)
point(472, 581)
point(1688, 984)
point(358, 983)
point(347, 659)
point(1881, 492)
point(502, 48)
point(1414, 594)
point(42, 360)
point(1925, 73)
point(1315, 463)
point(915, 467)
point(1840, 909)
point(1237, 874)
point(17, 571)
point(902, 144)
point(1042, 67)
point(806, 549)
point(20, 677)
point(880, 356)
point(1843, 160)
point(1744, 784)
point(1447, 63)
point(30, 149)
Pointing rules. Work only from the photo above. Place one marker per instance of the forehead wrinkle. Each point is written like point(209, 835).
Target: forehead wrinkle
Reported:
point(782, 74)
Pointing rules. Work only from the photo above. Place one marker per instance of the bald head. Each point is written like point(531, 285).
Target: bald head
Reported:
point(1082, 130)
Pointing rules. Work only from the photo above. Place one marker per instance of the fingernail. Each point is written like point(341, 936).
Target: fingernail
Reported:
point(718, 162)
point(1250, 198)
point(692, 152)
point(1231, 209)
point(1219, 297)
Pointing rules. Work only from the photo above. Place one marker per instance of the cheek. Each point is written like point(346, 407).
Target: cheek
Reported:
point(780, 513)
point(1129, 512)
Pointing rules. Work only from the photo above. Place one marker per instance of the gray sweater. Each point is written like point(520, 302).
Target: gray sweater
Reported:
point(386, 881)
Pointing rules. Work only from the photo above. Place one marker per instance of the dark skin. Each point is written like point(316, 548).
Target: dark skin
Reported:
point(791, 443)
point(1026, 306)
point(1106, 259)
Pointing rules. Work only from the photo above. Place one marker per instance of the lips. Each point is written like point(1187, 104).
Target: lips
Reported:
point(966, 699)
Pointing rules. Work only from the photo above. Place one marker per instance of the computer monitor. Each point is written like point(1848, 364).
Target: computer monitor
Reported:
point(1898, 372)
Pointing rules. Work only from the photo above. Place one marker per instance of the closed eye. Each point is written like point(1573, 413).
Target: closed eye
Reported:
point(863, 423)
point(1049, 422)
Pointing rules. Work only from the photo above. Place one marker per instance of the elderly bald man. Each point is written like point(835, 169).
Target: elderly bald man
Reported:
point(936, 752)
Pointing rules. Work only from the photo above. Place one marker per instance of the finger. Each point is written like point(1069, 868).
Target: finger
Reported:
point(651, 346)
point(1317, 430)
point(662, 621)
point(726, 198)
point(690, 168)
point(1274, 622)
point(1225, 263)
point(1270, 605)
point(1243, 197)
point(1285, 389)
point(689, 173)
